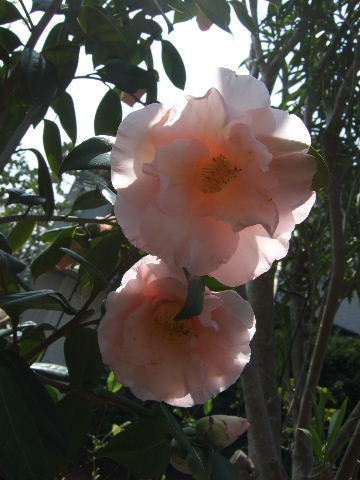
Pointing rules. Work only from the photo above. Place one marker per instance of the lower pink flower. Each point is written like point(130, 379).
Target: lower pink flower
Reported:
point(181, 362)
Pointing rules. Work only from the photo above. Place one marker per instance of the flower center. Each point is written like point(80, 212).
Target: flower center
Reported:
point(164, 318)
point(215, 175)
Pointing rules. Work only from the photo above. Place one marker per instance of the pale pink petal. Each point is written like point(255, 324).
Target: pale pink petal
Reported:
point(133, 145)
point(281, 132)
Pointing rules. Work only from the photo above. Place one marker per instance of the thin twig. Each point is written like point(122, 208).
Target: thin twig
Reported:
point(59, 218)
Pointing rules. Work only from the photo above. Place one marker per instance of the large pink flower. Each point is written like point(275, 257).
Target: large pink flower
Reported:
point(182, 362)
point(215, 184)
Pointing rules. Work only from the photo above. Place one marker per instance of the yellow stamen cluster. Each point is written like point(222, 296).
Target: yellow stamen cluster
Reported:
point(174, 329)
point(216, 175)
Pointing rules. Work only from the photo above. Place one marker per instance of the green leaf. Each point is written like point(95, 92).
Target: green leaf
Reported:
point(97, 278)
point(84, 364)
point(8, 12)
point(127, 77)
point(221, 468)
point(108, 194)
point(52, 146)
point(112, 384)
point(108, 114)
point(173, 64)
point(168, 422)
point(40, 5)
point(242, 13)
point(88, 201)
point(317, 444)
point(28, 409)
point(64, 59)
point(36, 299)
point(195, 297)
point(93, 153)
point(10, 263)
point(218, 12)
point(63, 106)
point(20, 233)
point(44, 184)
point(321, 177)
point(22, 455)
point(51, 370)
point(56, 233)
point(143, 448)
point(8, 40)
point(5, 244)
point(110, 243)
point(20, 196)
point(335, 424)
point(215, 285)
point(41, 76)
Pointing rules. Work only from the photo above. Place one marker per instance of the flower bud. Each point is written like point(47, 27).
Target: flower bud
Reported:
point(221, 430)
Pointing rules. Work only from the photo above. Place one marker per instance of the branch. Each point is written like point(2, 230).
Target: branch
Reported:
point(350, 458)
point(44, 20)
point(58, 218)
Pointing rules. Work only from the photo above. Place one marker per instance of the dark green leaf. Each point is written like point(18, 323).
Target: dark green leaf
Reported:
point(44, 183)
point(10, 263)
point(8, 12)
point(241, 12)
point(110, 243)
point(221, 468)
point(215, 285)
point(97, 278)
point(20, 233)
point(128, 78)
point(143, 448)
point(63, 232)
point(108, 114)
point(173, 64)
point(321, 177)
point(8, 40)
point(64, 108)
point(41, 76)
point(35, 299)
point(64, 59)
point(88, 200)
point(84, 364)
point(93, 153)
point(335, 424)
point(195, 297)
point(51, 370)
point(5, 244)
point(26, 397)
point(40, 5)
point(52, 146)
point(22, 455)
point(169, 424)
point(23, 198)
point(218, 12)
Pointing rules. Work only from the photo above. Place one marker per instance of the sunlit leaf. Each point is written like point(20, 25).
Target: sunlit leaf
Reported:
point(20, 233)
point(93, 153)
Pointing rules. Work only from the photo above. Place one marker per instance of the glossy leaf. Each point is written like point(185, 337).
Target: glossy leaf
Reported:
point(5, 244)
point(20, 196)
point(93, 153)
point(20, 233)
point(63, 106)
point(108, 114)
point(112, 384)
point(173, 64)
point(110, 243)
point(218, 12)
point(242, 13)
point(88, 200)
point(35, 299)
point(8, 12)
point(65, 59)
point(52, 146)
point(84, 364)
point(108, 194)
point(44, 184)
point(127, 77)
point(40, 74)
point(11, 264)
point(143, 448)
point(51, 370)
point(40, 5)
point(194, 299)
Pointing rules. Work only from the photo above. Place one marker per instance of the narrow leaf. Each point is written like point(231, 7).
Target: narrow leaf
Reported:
point(335, 424)
point(241, 12)
point(52, 146)
point(321, 177)
point(44, 183)
point(64, 108)
point(35, 299)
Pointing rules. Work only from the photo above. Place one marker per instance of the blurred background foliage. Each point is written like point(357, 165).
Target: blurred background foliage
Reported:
point(72, 420)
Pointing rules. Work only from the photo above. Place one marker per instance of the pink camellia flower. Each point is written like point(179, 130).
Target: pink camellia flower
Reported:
point(181, 362)
point(215, 184)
